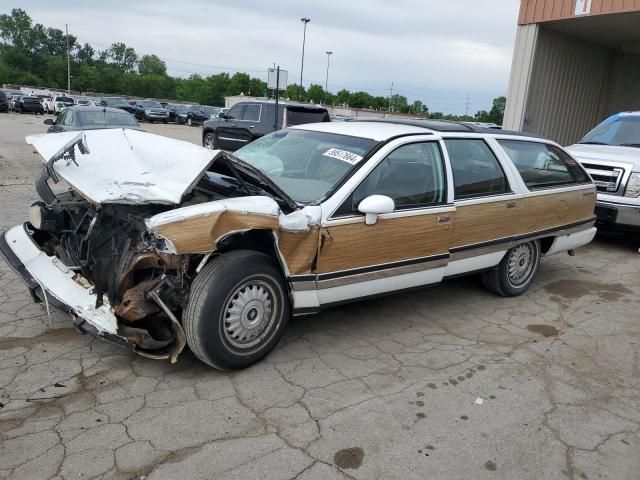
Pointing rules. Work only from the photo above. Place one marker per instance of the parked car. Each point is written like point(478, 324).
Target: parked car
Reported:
point(44, 99)
point(80, 117)
point(117, 102)
point(178, 113)
point(4, 102)
point(57, 103)
point(183, 117)
point(29, 104)
point(199, 114)
point(611, 154)
point(217, 250)
point(246, 121)
point(86, 101)
point(151, 111)
point(13, 101)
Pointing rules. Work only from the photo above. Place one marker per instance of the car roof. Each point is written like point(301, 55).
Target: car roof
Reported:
point(445, 126)
point(383, 129)
point(82, 108)
point(378, 131)
point(281, 104)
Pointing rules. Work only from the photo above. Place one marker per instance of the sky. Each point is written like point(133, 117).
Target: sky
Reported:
point(435, 51)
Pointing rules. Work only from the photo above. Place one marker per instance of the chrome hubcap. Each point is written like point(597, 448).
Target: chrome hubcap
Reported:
point(249, 314)
point(521, 262)
point(208, 142)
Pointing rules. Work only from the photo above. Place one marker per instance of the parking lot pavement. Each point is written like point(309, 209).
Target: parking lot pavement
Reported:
point(440, 383)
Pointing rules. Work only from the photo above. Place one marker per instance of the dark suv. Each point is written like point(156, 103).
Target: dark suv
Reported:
point(4, 102)
point(246, 121)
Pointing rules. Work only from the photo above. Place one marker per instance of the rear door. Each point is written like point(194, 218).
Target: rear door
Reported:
point(487, 205)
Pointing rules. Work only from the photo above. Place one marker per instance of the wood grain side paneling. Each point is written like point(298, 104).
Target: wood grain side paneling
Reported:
point(484, 222)
point(299, 250)
point(394, 239)
point(557, 209)
point(199, 234)
point(491, 221)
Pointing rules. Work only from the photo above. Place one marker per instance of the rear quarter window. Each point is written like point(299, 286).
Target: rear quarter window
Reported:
point(300, 116)
point(542, 165)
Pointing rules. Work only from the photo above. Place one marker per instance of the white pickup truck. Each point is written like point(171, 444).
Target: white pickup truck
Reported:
point(56, 103)
point(611, 154)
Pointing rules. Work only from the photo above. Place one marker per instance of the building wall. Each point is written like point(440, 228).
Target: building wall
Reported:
point(569, 82)
point(536, 11)
point(623, 90)
point(519, 80)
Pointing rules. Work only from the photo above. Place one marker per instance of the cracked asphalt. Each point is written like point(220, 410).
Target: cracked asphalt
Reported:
point(448, 382)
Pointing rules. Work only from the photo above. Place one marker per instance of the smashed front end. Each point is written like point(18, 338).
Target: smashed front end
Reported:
point(86, 249)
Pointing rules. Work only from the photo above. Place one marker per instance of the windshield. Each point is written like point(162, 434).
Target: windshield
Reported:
point(101, 117)
point(182, 108)
point(150, 105)
point(306, 165)
point(617, 130)
point(64, 99)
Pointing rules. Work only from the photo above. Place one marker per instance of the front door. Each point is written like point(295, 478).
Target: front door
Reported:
point(403, 249)
point(227, 132)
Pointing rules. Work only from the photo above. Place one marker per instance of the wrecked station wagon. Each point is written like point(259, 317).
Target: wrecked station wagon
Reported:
point(154, 243)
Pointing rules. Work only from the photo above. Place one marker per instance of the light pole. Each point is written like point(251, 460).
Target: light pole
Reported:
point(304, 20)
point(326, 80)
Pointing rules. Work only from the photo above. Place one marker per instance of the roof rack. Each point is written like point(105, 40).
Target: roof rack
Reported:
point(445, 126)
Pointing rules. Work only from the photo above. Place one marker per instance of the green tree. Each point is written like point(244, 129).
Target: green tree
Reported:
point(152, 65)
point(295, 92)
point(315, 93)
point(123, 57)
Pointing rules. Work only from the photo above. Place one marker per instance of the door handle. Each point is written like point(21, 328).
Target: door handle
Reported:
point(252, 126)
point(511, 205)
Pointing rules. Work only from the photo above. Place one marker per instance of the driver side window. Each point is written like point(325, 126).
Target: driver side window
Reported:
point(412, 175)
point(235, 111)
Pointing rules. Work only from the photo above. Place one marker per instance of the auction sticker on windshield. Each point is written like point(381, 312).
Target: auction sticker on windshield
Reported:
point(343, 155)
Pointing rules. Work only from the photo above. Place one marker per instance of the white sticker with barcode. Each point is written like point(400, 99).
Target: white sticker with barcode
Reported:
point(343, 155)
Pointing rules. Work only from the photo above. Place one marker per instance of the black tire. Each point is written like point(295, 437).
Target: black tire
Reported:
point(165, 121)
point(515, 273)
point(210, 140)
point(210, 335)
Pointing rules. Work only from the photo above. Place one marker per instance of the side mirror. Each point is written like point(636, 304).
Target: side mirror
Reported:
point(49, 121)
point(375, 205)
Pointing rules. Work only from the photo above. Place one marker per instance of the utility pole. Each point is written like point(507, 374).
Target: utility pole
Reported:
point(466, 112)
point(304, 20)
point(390, 95)
point(66, 29)
point(326, 80)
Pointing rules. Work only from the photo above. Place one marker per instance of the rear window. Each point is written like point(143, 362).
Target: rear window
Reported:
point(31, 100)
point(541, 165)
point(64, 99)
point(106, 118)
point(300, 116)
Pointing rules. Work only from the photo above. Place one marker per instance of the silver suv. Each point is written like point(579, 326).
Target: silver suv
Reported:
point(611, 154)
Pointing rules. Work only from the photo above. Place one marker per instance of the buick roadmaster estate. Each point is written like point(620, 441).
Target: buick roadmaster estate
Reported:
point(154, 243)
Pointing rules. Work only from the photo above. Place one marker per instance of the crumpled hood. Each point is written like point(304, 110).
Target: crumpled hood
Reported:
point(606, 153)
point(127, 166)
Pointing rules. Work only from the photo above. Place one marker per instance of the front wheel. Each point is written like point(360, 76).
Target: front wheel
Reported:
point(237, 311)
point(515, 273)
point(189, 122)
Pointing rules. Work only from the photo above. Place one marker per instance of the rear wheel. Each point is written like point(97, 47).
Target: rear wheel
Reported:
point(211, 141)
point(515, 273)
point(237, 311)
point(189, 122)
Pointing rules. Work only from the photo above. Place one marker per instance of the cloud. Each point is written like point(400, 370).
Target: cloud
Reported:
point(436, 51)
